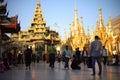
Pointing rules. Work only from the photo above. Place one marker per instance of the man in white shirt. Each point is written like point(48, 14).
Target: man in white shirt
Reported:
point(67, 57)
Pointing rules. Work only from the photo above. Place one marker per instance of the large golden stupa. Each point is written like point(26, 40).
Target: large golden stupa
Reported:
point(109, 36)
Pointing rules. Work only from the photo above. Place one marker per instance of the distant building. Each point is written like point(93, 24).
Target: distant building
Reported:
point(116, 31)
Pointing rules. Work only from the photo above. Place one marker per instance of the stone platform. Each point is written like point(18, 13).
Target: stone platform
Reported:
point(41, 71)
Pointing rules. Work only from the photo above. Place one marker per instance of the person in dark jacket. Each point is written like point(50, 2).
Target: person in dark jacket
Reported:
point(77, 54)
point(95, 52)
point(28, 57)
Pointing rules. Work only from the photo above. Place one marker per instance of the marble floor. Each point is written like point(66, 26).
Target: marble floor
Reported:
point(41, 71)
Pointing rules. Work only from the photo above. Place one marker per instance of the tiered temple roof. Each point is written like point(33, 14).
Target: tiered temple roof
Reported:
point(8, 24)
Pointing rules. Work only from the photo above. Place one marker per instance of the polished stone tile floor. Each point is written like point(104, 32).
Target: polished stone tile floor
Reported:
point(41, 71)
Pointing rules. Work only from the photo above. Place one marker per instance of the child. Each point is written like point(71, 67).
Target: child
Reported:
point(59, 56)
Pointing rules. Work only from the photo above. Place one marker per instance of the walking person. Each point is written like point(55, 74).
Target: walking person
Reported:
point(34, 57)
point(59, 57)
point(38, 57)
point(10, 58)
point(84, 55)
point(52, 52)
point(67, 57)
point(95, 51)
point(19, 58)
point(28, 57)
point(104, 54)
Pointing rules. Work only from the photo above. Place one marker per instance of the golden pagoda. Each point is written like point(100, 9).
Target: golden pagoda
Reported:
point(100, 30)
point(107, 35)
point(77, 37)
point(38, 36)
point(104, 35)
point(114, 28)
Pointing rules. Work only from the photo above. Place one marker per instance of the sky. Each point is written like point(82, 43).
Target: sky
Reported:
point(61, 12)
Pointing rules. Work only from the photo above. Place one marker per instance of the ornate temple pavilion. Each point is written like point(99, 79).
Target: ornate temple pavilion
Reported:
point(7, 25)
point(38, 36)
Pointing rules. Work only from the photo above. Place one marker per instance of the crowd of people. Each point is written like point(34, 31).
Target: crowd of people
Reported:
point(97, 53)
point(10, 60)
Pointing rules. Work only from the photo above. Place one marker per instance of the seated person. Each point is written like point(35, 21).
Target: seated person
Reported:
point(75, 65)
point(6, 64)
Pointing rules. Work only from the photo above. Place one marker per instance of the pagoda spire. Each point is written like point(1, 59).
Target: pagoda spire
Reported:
point(82, 27)
point(109, 23)
point(38, 1)
point(65, 34)
point(76, 23)
point(109, 27)
point(88, 31)
point(101, 22)
point(92, 29)
point(38, 17)
point(76, 18)
point(97, 26)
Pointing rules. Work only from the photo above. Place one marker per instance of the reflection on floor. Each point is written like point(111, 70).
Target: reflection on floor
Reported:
point(41, 71)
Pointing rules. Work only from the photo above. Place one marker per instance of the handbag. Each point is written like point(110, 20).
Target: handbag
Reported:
point(47, 59)
point(89, 62)
point(63, 55)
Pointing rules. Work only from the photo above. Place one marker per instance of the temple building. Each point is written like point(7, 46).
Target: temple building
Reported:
point(7, 25)
point(38, 36)
point(115, 22)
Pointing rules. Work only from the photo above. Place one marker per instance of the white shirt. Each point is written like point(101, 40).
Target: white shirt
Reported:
point(85, 54)
point(68, 53)
point(104, 52)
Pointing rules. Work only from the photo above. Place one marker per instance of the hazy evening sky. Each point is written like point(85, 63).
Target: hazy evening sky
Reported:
point(61, 12)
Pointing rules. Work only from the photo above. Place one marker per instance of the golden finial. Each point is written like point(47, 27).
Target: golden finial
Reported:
point(88, 30)
point(109, 17)
point(65, 33)
point(109, 22)
point(93, 28)
point(100, 10)
point(101, 23)
point(81, 19)
point(97, 23)
point(38, 1)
